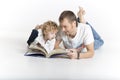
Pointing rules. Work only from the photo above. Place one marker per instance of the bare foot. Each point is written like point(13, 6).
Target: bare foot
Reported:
point(81, 14)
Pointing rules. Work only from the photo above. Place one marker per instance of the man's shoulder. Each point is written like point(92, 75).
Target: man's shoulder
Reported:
point(83, 26)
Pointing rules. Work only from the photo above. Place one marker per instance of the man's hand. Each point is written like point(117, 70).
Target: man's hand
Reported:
point(72, 53)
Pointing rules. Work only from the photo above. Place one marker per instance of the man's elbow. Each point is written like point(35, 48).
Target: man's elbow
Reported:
point(91, 54)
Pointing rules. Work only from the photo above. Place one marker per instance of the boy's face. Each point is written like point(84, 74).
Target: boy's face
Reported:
point(67, 26)
point(51, 35)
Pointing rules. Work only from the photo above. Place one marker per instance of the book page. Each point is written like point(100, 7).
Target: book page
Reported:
point(34, 53)
point(38, 48)
point(57, 51)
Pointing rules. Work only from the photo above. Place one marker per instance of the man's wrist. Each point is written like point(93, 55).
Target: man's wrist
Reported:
point(78, 55)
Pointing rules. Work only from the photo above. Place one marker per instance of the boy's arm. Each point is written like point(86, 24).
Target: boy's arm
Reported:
point(58, 40)
point(57, 44)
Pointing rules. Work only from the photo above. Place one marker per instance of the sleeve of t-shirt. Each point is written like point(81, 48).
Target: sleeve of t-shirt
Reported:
point(88, 36)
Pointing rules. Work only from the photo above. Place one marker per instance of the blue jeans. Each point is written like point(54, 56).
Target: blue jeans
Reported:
point(98, 42)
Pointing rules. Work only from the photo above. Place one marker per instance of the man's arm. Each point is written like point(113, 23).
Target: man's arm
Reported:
point(89, 53)
point(80, 48)
point(73, 54)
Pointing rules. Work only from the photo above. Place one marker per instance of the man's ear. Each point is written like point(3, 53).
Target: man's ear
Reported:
point(74, 23)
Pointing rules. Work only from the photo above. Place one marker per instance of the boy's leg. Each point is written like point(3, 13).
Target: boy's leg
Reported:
point(32, 37)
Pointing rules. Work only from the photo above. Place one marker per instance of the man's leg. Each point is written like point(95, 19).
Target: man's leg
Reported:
point(98, 42)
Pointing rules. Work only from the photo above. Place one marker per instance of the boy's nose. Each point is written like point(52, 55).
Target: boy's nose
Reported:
point(54, 36)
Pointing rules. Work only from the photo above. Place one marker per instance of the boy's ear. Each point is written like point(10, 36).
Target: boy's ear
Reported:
point(45, 32)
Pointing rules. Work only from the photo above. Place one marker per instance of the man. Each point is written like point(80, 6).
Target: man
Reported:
point(75, 36)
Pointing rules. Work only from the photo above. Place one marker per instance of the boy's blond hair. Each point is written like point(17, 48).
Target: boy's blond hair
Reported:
point(49, 26)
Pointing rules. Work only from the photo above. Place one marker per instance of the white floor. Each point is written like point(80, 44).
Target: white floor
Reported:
point(14, 65)
point(16, 23)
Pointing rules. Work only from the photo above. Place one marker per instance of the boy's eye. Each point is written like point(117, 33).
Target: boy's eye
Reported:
point(52, 33)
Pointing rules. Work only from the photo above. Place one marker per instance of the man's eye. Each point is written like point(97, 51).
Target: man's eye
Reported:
point(64, 26)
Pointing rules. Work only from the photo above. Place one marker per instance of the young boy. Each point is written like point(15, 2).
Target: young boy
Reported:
point(44, 35)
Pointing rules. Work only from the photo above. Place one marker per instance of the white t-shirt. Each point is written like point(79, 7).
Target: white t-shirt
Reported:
point(83, 36)
point(49, 45)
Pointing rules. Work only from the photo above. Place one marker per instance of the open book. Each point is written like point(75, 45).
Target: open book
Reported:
point(37, 50)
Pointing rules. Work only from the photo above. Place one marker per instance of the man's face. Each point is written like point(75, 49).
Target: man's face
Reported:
point(67, 26)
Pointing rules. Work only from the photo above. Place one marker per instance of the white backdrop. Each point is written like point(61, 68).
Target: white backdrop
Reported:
point(23, 15)
point(19, 17)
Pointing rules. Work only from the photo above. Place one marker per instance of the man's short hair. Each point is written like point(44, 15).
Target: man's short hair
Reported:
point(69, 15)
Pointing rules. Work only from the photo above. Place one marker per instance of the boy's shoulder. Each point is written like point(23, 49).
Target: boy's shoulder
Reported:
point(40, 32)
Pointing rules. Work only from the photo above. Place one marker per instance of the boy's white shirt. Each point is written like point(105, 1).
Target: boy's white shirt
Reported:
point(49, 45)
point(84, 35)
